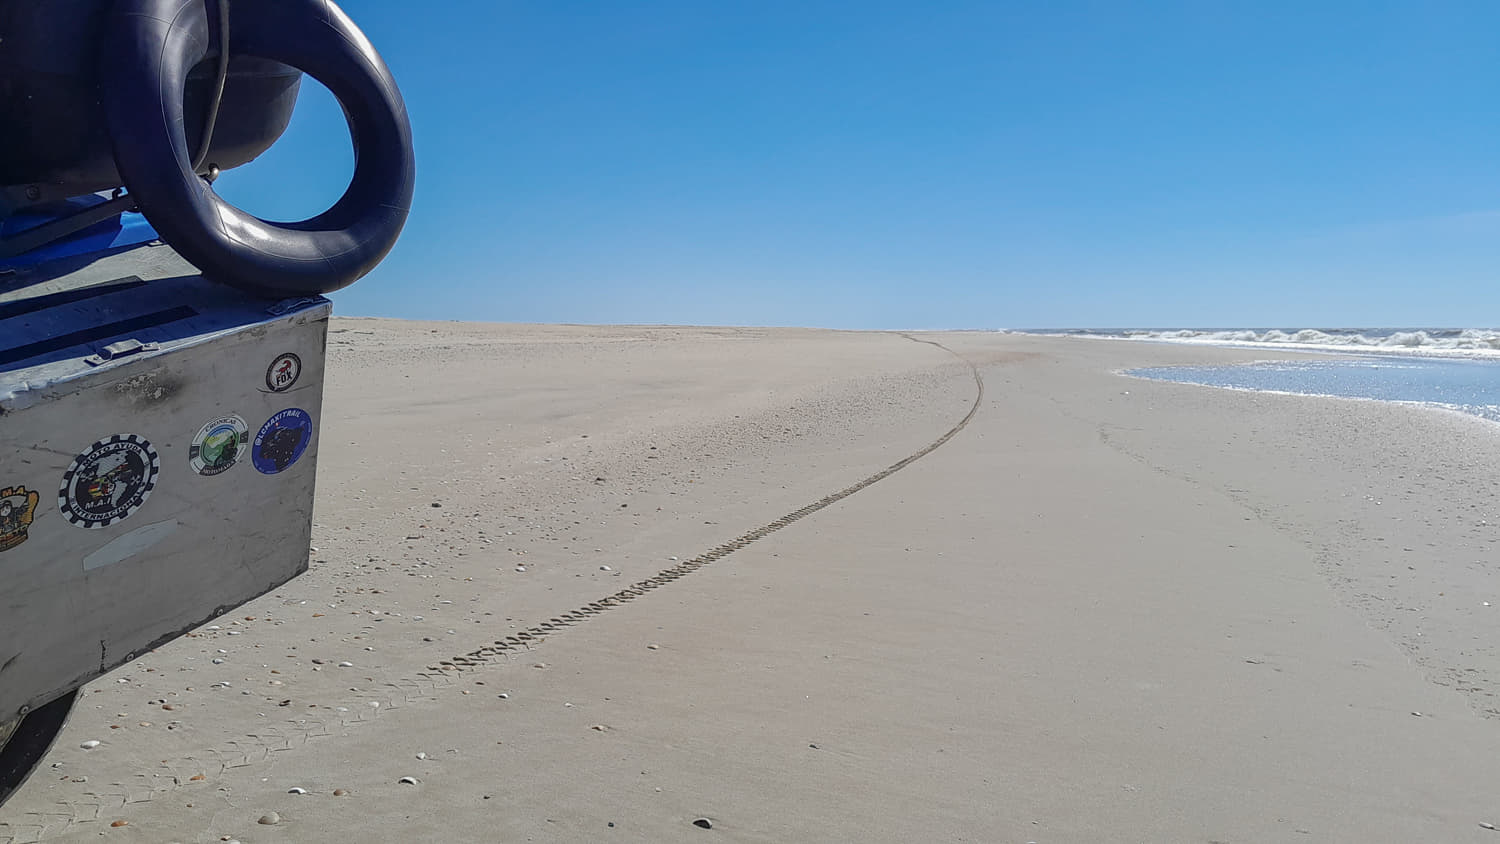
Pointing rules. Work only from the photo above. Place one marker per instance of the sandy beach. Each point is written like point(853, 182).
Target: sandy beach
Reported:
point(650, 584)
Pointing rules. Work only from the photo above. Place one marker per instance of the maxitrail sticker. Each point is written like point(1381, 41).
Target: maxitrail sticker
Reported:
point(17, 509)
point(108, 483)
point(219, 445)
point(283, 373)
point(281, 441)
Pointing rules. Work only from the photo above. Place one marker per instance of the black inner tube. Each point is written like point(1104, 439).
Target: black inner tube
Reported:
point(149, 48)
point(25, 748)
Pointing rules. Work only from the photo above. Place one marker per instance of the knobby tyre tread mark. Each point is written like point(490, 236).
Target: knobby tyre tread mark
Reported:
point(439, 677)
point(496, 652)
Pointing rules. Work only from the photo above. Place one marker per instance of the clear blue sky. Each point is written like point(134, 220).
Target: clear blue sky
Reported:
point(939, 164)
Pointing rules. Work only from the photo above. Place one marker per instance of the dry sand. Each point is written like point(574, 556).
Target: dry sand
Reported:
point(1105, 610)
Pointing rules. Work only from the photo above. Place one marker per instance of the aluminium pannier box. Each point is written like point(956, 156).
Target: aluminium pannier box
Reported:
point(158, 445)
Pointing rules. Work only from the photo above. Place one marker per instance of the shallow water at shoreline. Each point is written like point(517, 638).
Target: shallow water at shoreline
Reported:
point(1470, 386)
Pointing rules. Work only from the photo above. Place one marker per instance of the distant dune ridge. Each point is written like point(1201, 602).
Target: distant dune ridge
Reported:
point(621, 583)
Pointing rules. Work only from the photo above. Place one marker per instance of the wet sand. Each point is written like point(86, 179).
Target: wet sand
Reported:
point(667, 591)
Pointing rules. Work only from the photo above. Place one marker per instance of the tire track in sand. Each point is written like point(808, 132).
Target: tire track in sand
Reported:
point(498, 649)
point(101, 805)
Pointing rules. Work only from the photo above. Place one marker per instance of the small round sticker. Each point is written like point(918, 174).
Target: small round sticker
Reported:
point(108, 483)
point(219, 445)
point(283, 373)
point(281, 441)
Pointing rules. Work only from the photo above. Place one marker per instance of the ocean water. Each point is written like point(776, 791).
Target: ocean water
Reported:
point(1467, 385)
point(1427, 342)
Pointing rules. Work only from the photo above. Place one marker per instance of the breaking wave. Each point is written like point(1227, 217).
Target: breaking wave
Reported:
point(1465, 342)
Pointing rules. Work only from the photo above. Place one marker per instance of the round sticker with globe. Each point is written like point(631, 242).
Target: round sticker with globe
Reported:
point(219, 445)
point(108, 483)
point(281, 441)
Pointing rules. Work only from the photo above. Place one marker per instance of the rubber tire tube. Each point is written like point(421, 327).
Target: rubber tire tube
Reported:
point(149, 48)
point(29, 744)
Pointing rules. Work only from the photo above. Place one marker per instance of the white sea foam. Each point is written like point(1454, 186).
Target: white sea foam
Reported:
point(1468, 342)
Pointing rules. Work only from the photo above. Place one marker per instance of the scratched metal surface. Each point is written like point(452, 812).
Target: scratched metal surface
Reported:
point(78, 598)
